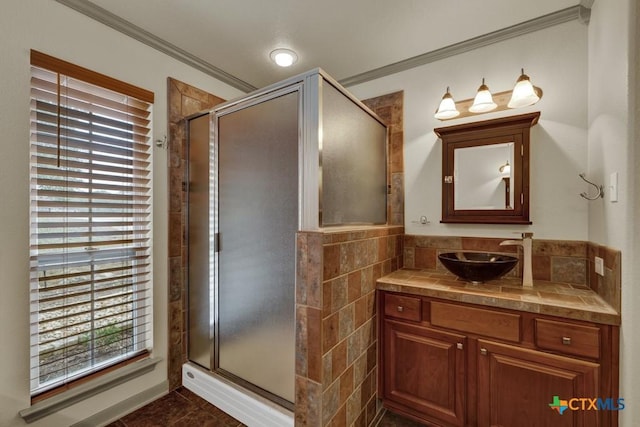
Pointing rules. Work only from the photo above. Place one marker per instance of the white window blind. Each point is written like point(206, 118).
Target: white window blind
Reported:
point(90, 272)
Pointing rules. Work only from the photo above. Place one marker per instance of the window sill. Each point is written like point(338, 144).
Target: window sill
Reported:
point(84, 391)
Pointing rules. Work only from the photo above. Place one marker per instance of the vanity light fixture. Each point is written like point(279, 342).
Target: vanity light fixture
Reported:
point(283, 57)
point(447, 108)
point(483, 102)
point(524, 94)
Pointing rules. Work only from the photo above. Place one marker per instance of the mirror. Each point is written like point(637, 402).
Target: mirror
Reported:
point(483, 177)
point(485, 171)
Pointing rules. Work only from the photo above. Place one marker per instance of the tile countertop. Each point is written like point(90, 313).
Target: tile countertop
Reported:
point(551, 298)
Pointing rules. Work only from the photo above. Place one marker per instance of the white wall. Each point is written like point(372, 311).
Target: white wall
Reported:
point(556, 61)
point(61, 32)
point(613, 82)
point(630, 292)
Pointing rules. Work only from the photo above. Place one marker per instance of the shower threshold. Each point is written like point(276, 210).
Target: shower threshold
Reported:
point(240, 403)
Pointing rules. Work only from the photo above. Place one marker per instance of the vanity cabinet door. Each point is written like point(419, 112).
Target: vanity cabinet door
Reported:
point(517, 385)
point(424, 373)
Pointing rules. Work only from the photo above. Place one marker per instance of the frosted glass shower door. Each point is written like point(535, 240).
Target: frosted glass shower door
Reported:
point(199, 295)
point(257, 220)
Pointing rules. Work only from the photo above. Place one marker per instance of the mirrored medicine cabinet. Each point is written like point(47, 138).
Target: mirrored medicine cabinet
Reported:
point(485, 170)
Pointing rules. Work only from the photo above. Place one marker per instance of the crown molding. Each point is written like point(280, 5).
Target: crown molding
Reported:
point(585, 12)
point(111, 20)
point(577, 12)
point(580, 12)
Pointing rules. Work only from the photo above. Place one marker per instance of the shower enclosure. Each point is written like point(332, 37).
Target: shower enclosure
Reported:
point(298, 155)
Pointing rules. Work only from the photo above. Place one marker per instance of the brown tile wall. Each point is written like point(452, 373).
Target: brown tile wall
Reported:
point(609, 285)
point(184, 100)
point(564, 261)
point(390, 109)
point(336, 362)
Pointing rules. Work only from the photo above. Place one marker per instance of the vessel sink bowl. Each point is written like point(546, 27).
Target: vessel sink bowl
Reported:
point(477, 267)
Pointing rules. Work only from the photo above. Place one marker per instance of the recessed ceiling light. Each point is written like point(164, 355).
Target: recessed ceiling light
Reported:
point(284, 57)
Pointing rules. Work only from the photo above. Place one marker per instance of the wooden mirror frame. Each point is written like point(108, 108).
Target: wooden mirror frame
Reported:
point(514, 129)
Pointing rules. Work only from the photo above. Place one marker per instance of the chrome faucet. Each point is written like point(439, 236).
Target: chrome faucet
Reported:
point(525, 242)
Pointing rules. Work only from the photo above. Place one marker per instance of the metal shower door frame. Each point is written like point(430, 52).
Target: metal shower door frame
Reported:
point(214, 216)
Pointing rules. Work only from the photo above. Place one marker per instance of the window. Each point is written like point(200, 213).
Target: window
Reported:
point(90, 272)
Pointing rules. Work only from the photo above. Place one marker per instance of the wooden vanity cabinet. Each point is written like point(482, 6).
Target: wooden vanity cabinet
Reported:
point(516, 385)
point(424, 372)
point(446, 363)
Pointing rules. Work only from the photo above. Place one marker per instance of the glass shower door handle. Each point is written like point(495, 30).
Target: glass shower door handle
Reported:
point(217, 242)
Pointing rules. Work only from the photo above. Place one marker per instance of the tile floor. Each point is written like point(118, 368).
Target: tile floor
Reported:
point(182, 408)
point(393, 420)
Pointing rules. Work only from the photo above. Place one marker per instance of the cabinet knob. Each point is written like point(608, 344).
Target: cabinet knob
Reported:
point(566, 340)
point(400, 308)
point(483, 351)
point(459, 346)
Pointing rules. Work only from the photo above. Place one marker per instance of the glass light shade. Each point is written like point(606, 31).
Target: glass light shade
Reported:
point(505, 169)
point(523, 93)
point(483, 101)
point(447, 108)
point(283, 57)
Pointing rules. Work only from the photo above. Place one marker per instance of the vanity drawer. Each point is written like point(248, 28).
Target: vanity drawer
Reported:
point(489, 323)
point(402, 307)
point(578, 340)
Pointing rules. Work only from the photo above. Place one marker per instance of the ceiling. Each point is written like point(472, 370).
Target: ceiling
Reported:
point(344, 37)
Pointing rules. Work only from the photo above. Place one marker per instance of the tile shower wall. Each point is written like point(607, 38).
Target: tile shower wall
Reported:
point(390, 109)
point(184, 101)
point(552, 260)
point(336, 354)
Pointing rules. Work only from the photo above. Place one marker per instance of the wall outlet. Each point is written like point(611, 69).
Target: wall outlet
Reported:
point(599, 266)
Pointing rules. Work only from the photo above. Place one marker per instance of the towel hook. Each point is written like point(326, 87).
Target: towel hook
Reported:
point(599, 188)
